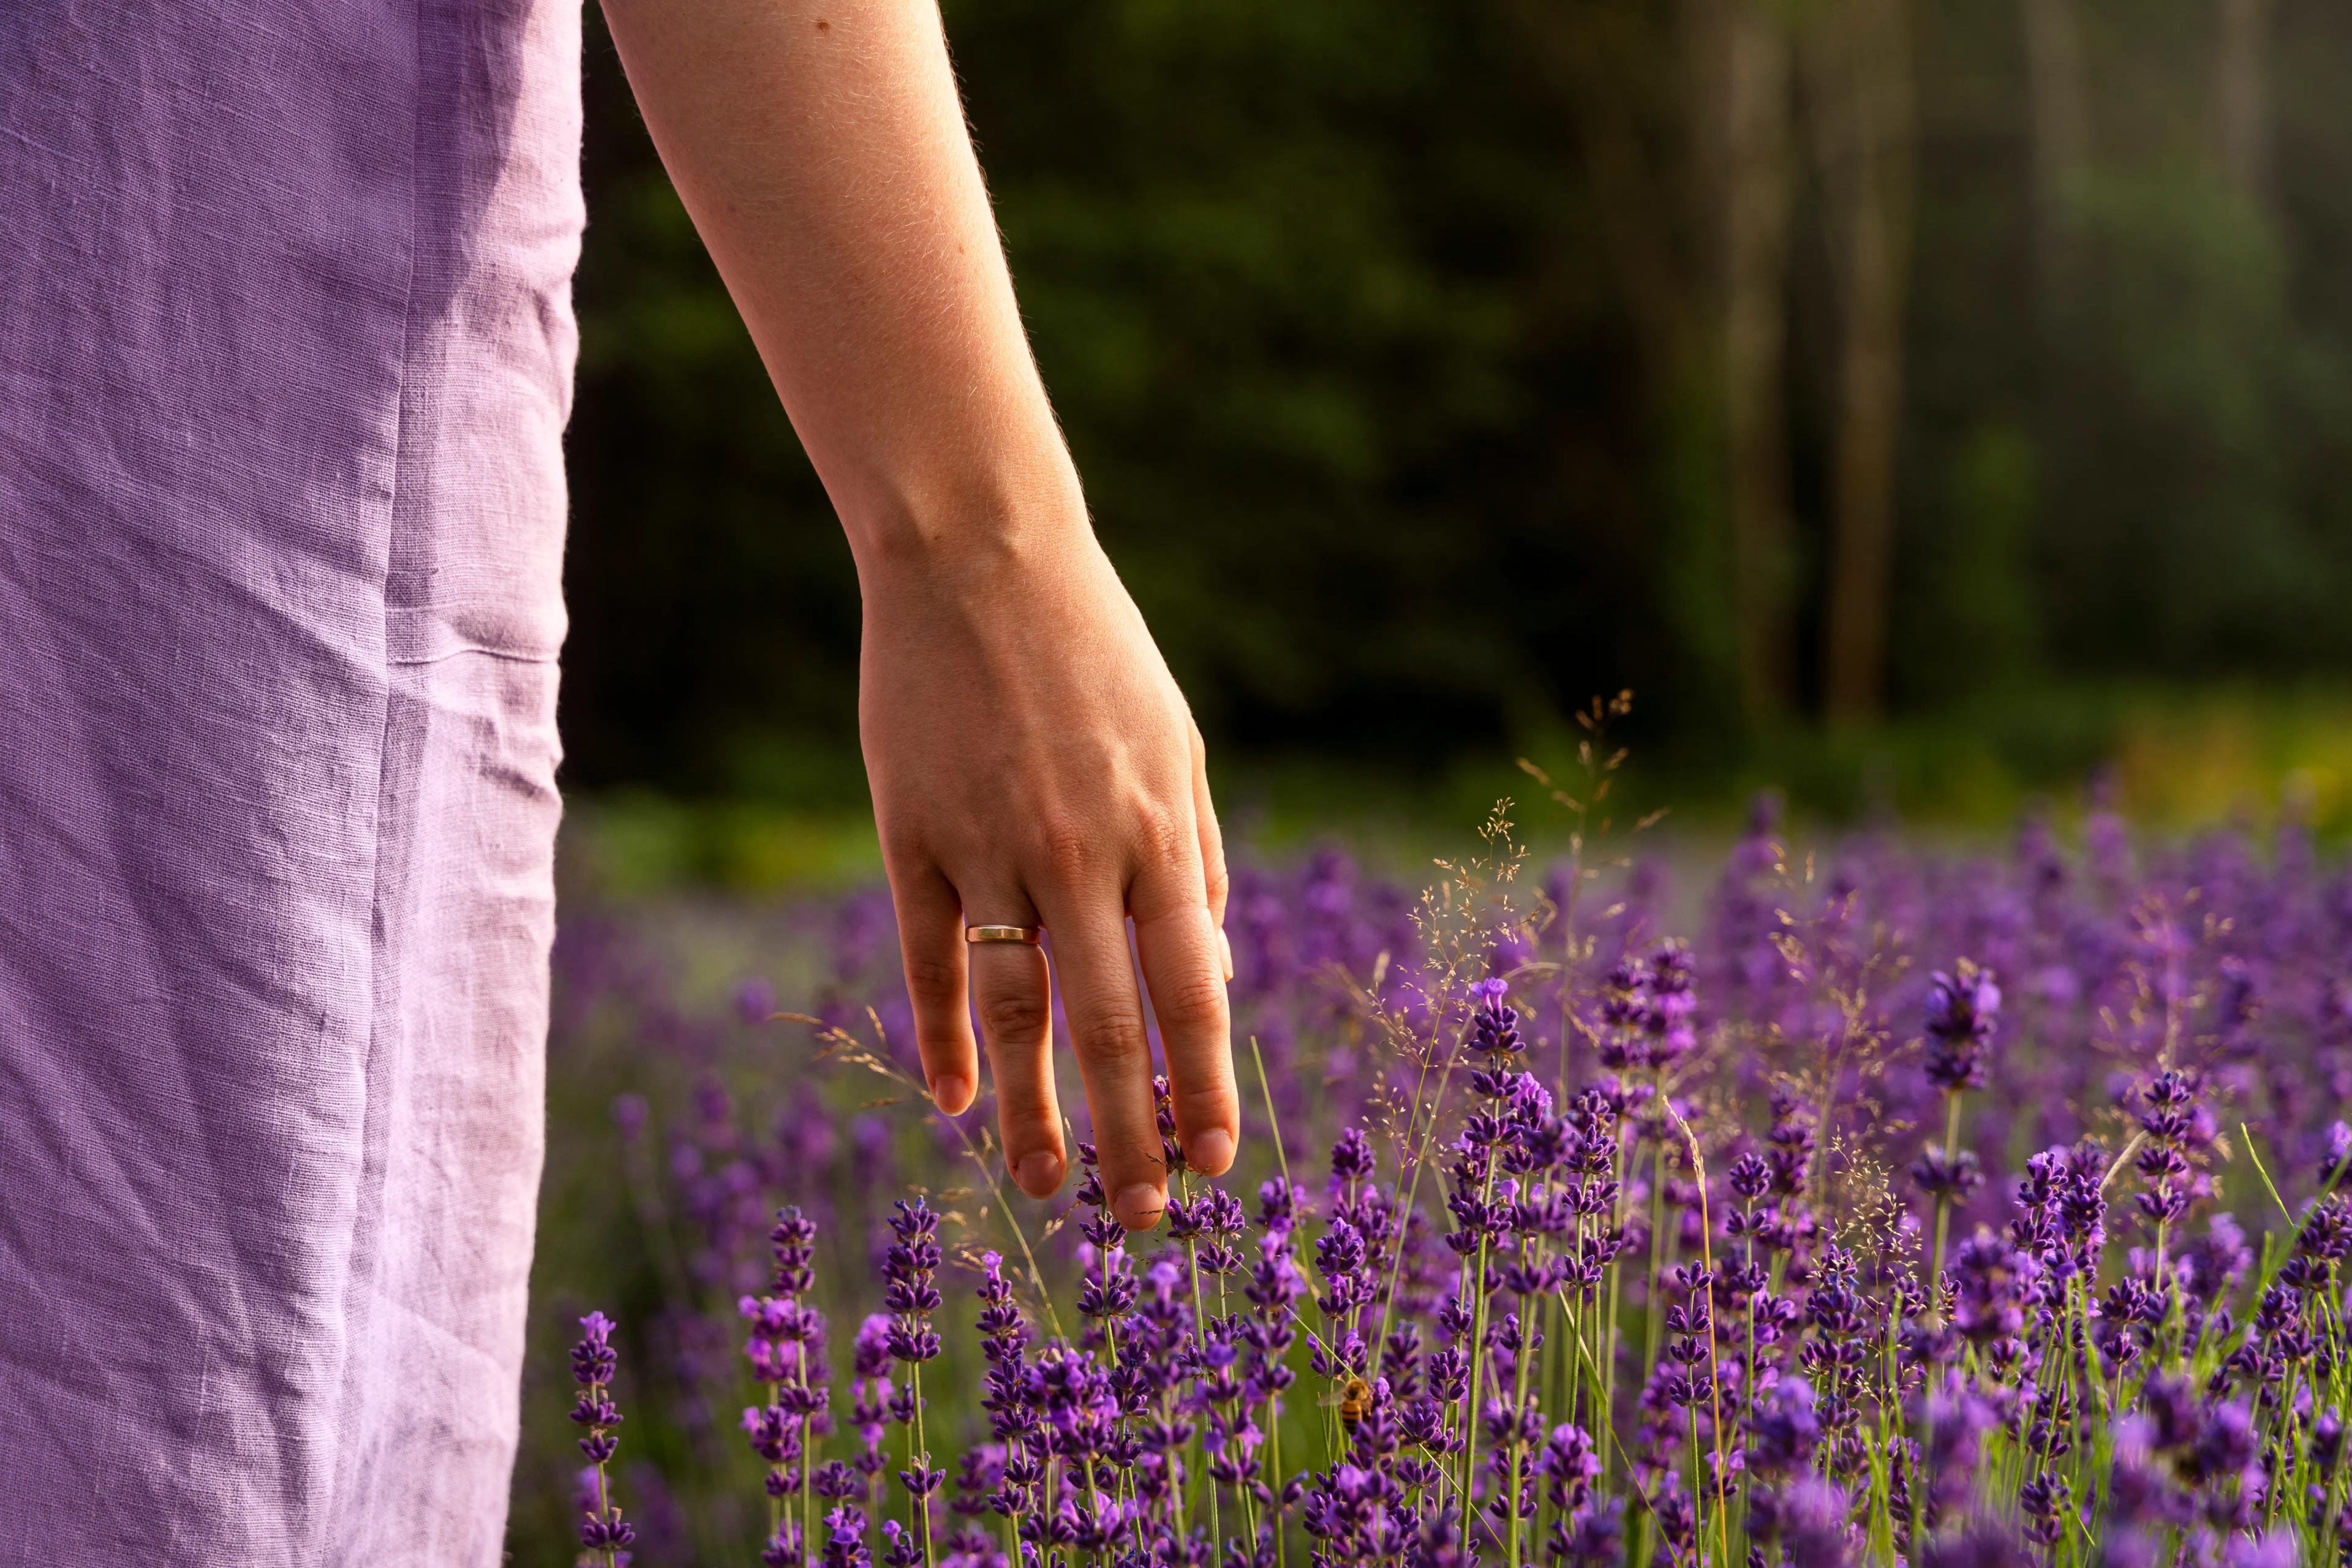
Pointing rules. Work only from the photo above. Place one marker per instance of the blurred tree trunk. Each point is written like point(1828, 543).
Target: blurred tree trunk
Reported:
point(1862, 115)
point(2061, 140)
point(2242, 97)
point(1645, 139)
point(1597, 59)
point(1693, 183)
point(1753, 186)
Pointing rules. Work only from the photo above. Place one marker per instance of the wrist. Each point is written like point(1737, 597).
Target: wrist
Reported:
point(950, 525)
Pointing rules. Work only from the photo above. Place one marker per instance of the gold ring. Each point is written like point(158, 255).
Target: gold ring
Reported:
point(1031, 935)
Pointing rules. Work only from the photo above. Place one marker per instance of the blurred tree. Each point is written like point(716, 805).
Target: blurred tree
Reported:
point(1862, 115)
point(1748, 41)
point(2060, 129)
point(1644, 89)
point(2241, 96)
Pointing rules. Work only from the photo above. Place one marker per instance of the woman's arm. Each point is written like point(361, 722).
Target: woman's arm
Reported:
point(1031, 759)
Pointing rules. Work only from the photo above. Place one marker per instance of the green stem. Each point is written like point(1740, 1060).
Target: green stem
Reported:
point(776, 1503)
point(920, 1461)
point(1201, 1328)
point(1518, 1402)
point(1478, 1368)
point(604, 1503)
point(1273, 1445)
point(1943, 1207)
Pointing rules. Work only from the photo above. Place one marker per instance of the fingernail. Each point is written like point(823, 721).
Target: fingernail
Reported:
point(1212, 1152)
point(1138, 1207)
point(1039, 1174)
point(951, 1092)
point(1225, 944)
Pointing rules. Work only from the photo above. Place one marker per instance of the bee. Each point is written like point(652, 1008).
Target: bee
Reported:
point(1354, 1398)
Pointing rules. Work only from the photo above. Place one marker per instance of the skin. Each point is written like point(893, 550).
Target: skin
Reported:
point(1032, 760)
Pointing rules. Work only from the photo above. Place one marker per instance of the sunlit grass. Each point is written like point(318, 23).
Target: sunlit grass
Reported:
point(2176, 759)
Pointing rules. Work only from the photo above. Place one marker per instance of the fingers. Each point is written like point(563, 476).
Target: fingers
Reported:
point(930, 943)
point(1184, 964)
point(1096, 975)
point(1213, 849)
point(1009, 991)
point(1170, 879)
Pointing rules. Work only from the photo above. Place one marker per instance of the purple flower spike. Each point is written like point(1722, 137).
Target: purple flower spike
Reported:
point(845, 1544)
point(1953, 1177)
point(629, 1114)
point(1981, 1544)
point(755, 1001)
point(1960, 1013)
point(2336, 1165)
point(908, 1292)
point(1812, 1516)
point(593, 1362)
point(785, 1340)
point(2272, 1548)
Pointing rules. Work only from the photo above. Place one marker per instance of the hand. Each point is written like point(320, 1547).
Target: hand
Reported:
point(1033, 763)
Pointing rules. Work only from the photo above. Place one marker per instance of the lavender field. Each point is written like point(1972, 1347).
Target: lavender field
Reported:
point(1874, 1205)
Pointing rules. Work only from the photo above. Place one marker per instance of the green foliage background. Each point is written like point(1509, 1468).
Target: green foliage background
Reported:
point(1320, 288)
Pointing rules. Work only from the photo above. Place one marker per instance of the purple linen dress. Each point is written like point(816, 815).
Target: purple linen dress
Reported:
point(286, 352)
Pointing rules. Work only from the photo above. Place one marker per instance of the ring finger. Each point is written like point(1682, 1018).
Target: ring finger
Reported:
point(1011, 993)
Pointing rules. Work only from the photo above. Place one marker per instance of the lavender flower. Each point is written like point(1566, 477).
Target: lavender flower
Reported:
point(594, 1361)
point(908, 1293)
point(1534, 1327)
point(784, 1342)
point(1960, 1013)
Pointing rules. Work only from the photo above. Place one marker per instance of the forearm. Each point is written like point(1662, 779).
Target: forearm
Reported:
point(1032, 762)
point(820, 147)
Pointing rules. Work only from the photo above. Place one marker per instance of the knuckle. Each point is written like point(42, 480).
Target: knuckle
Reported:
point(1065, 847)
point(1219, 882)
point(903, 848)
point(1164, 836)
point(1013, 1015)
point(1109, 1038)
point(932, 981)
point(1192, 1001)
